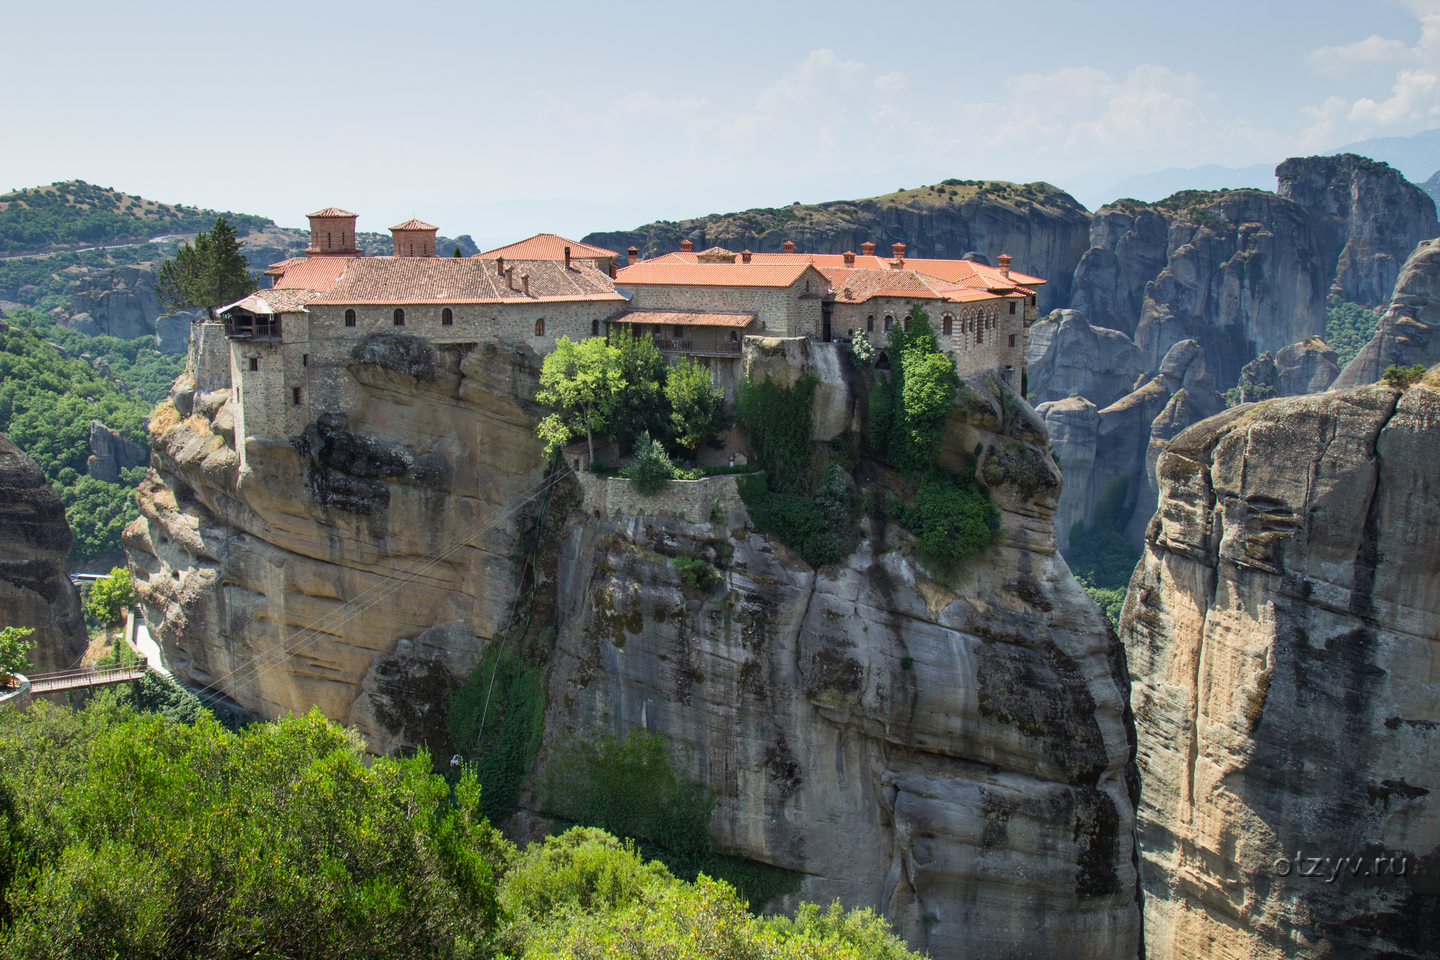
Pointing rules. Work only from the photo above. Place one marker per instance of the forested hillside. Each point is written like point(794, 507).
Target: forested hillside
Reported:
point(75, 213)
point(49, 395)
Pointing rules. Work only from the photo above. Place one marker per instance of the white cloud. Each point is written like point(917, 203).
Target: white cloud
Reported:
point(1414, 101)
point(1372, 50)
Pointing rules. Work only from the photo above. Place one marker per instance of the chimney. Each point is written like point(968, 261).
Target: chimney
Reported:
point(849, 295)
point(634, 254)
point(525, 283)
point(510, 277)
point(686, 245)
point(849, 256)
point(867, 249)
point(789, 246)
point(567, 258)
point(745, 256)
point(898, 249)
point(499, 266)
point(1004, 261)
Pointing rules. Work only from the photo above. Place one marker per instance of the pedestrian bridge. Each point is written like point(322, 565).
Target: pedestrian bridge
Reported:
point(83, 677)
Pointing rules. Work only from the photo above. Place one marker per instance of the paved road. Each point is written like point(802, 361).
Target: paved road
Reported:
point(108, 246)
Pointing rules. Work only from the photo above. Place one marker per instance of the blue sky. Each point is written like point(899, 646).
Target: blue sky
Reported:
point(500, 120)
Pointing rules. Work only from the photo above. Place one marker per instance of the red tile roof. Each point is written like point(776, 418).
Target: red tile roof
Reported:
point(288, 300)
point(547, 246)
point(414, 225)
point(683, 274)
point(954, 271)
point(687, 319)
point(332, 212)
point(311, 273)
point(402, 280)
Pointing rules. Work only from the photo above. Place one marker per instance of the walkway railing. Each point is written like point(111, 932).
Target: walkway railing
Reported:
point(87, 677)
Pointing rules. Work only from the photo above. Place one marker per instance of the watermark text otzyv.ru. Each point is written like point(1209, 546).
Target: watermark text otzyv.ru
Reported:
point(1329, 869)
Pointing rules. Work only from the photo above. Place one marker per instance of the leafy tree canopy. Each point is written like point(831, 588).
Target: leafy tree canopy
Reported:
point(697, 403)
point(581, 382)
point(210, 273)
point(15, 647)
point(110, 598)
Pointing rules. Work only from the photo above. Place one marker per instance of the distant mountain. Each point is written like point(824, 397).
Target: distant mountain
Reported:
point(1152, 187)
point(1417, 157)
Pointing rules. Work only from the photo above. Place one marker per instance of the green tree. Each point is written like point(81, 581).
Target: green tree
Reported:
point(456, 251)
point(111, 597)
point(1403, 378)
point(697, 404)
point(15, 647)
point(581, 383)
point(642, 405)
point(208, 274)
point(652, 468)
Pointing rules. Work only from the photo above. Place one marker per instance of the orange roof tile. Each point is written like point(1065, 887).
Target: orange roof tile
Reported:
point(713, 274)
point(687, 319)
point(402, 280)
point(332, 212)
point(413, 224)
point(311, 273)
point(273, 301)
point(954, 271)
point(547, 246)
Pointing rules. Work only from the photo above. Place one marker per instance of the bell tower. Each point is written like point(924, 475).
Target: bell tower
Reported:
point(413, 238)
point(332, 233)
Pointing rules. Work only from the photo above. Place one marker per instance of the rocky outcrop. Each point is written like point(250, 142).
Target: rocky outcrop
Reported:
point(1066, 355)
point(119, 300)
point(1129, 246)
point(954, 755)
point(111, 453)
point(958, 756)
point(1377, 214)
point(1041, 227)
point(35, 591)
point(1073, 424)
point(1306, 367)
point(1281, 632)
point(1409, 332)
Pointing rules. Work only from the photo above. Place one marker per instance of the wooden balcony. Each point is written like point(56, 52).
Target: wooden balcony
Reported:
point(696, 347)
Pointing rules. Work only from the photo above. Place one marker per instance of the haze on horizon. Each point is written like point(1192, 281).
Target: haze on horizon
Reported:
point(502, 120)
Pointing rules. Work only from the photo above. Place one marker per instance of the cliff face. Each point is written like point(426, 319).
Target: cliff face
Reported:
point(956, 757)
point(1409, 332)
point(1281, 632)
point(1378, 217)
point(959, 757)
point(1042, 228)
point(34, 541)
point(1067, 355)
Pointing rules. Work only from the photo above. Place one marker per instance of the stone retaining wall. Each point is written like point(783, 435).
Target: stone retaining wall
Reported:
point(692, 501)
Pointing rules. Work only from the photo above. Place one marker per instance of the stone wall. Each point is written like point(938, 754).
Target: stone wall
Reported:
point(793, 311)
point(690, 501)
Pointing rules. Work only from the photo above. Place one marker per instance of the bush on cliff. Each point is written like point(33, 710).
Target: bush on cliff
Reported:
point(652, 468)
point(953, 518)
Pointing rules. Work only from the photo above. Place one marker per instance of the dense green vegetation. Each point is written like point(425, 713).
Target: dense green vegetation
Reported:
point(627, 786)
point(109, 599)
point(1099, 555)
point(74, 213)
point(494, 720)
point(1348, 327)
point(15, 647)
point(953, 518)
point(1403, 378)
point(48, 282)
point(144, 371)
point(48, 399)
point(137, 834)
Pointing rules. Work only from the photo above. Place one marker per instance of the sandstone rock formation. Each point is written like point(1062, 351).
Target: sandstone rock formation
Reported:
point(120, 300)
point(1409, 332)
point(1067, 355)
point(954, 756)
point(34, 541)
point(1305, 367)
point(110, 453)
point(1041, 227)
point(1281, 632)
point(1378, 215)
point(1073, 424)
point(959, 757)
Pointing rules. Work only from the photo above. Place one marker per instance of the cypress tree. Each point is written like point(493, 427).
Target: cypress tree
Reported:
point(208, 274)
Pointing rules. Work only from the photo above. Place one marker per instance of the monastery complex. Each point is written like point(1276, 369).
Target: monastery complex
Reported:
point(287, 346)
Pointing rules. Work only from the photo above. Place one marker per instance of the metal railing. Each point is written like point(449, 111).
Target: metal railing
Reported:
point(715, 348)
point(90, 676)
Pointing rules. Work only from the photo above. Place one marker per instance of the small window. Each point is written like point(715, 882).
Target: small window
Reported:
point(1012, 339)
point(304, 359)
point(907, 323)
point(540, 327)
point(595, 328)
point(327, 240)
point(349, 318)
point(1012, 306)
point(888, 322)
point(447, 317)
point(947, 325)
point(979, 336)
point(1032, 299)
point(870, 323)
point(295, 395)
point(677, 332)
point(399, 317)
point(254, 363)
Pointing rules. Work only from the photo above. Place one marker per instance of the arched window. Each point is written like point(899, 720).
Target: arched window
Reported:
point(399, 317)
point(540, 327)
point(947, 325)
point(888, 322)
point(349, 318)
point(447, 317)
point(980, 336)
point(883, 361)
point(595, 327)
point(870, 323)
point(907, 323)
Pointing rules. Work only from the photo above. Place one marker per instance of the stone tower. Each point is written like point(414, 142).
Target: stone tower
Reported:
point(332, 233)
point(414, 238)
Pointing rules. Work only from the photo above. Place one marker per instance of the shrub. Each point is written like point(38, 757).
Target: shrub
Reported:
point(796, 519)
point(860, 351)
point(697, 404)
point(696, 573)
point(778, 422)
point(953, 518)
point(494, 720)
point(652, 468)
point(1402, 378)
point(1348, 327)
point(111, 597)
point(15, 647)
